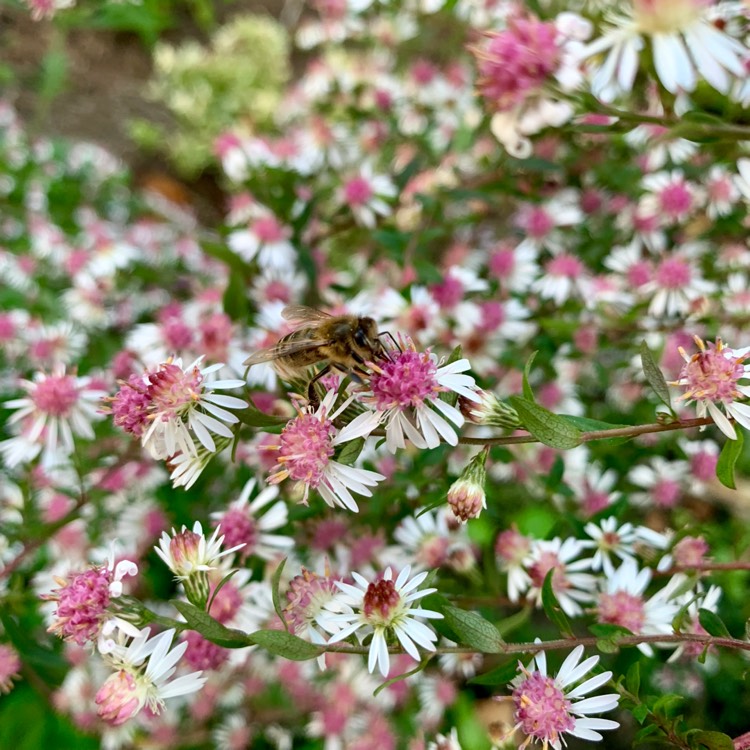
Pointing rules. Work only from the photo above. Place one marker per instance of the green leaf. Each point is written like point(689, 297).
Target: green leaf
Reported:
point(700, 739)
point(350, 451)
point(212, 630)
point(712, 623)
point(528, 394)
point(730, 452)
point(235, 301)
point(607, 646)
point(254, 417)
point(275, 581)
point(552, 607)
point(647, 731)
point(286, 645)
point(668, 705)
point(654, 375)
point(501, 675)
point(640, 712)
point(551, 429)
point(633, 679)
point(473, 630)
point(605, 630)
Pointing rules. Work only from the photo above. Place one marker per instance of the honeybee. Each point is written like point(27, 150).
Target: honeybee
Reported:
point(350, 344)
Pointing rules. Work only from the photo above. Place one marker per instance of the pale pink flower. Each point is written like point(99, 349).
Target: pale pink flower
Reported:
point(57, 407)
point(711, 379)
point(547, 708)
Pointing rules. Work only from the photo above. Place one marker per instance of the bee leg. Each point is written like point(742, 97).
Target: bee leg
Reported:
point(312, 393)
point(395, 343)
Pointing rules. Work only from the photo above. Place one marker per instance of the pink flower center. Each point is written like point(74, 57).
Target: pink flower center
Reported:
point(380, 601)
point(502, 263)
point(202, 654)
point(639, 273)
point(171, 389)
point(538, 223)
point(564, 265)
point(56, 395)
point(306, 594)
point(512, 546)
point(433, 551)
point(448, 293)
point(238, 527)
point(7, 328)
point(407, 380)
point(690, 551)
point(493, 315)
point(676, 199)
point(216, 335)
point(306, 448)
point(177, 335)
point(226, 602)
point(594, 501)
point(713, 376)
point(666, 493)
point(130, 406)
point(517, 61)
point(703, 465)
point(673, 273)
point(548, 561)
point(81, 605)
point(542, 709)
point(622, 608)
point(357, 191)
point(720, 189)
point(268, 229)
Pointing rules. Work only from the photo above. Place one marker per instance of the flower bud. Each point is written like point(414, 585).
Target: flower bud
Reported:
point(118, 698)
point(490, 411)
point(466, 495)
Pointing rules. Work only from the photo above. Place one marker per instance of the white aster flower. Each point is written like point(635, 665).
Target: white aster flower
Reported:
point(546, 708)
point(183, 403)
point(57, 407)
point(621, 602)
point(189, 552)
point(304, 454)
point(685, 43)
point(381, 607)
point(405, 395)
point(137, 684)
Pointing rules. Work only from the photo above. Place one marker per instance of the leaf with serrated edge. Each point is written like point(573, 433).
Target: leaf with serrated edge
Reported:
point(549, 428)
point(474, 630)
point(212, 630)
point(286, 645)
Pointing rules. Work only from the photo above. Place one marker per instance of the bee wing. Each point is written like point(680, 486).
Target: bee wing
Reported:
point(304, 314)
point(283, 349)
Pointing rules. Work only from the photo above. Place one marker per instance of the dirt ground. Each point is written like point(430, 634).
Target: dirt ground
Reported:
point(103, 89)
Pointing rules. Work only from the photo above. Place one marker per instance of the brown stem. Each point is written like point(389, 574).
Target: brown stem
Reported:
point(562, 643)
point(588, 437)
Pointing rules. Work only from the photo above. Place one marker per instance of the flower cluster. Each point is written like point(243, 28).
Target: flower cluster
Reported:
point(522, 200)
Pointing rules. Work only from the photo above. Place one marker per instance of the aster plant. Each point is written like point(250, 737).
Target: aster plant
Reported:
point(519, 523)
